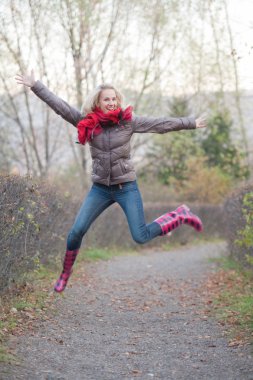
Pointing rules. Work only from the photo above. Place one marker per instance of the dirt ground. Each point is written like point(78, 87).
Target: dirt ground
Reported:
point(133, 317)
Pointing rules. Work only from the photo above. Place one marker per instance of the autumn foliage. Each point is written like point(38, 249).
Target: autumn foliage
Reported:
point(239, 226)
point(33, 221)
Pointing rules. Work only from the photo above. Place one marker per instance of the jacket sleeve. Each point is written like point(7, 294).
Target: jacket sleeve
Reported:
point(62, 108)
point(143, 124)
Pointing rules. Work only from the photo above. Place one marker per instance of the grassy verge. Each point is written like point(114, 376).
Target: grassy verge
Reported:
point(199, 240)
point(231, 291)
point(22, 305)
point(95, 254)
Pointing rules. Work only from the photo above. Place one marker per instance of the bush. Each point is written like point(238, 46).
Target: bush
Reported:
point(206, 185)
point(34, 221)
point(239, 227)
point(246, 234)
point(111, 229)
point(220, 149)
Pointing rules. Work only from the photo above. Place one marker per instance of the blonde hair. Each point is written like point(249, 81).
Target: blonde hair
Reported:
point(92, 100)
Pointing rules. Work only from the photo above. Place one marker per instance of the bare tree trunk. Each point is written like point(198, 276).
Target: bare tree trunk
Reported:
point(217, 52)
point(76, 35)
point(35, 13)
point(237, 90)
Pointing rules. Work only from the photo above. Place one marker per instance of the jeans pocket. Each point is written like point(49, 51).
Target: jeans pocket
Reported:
point(129, 186)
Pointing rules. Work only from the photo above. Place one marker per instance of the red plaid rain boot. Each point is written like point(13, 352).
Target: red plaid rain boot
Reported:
point(182, 215)
point(69, 260)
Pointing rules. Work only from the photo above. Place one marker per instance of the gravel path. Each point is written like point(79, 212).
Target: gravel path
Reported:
point(133, 317)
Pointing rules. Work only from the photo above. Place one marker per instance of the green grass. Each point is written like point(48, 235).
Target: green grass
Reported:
point(5, 356)
point(226, 263)
point(95, 254)
point(199, 240)
point(31, 298)
point(22, 305)
point(98, 254)
point(234, 303)
point(238, 307)
point(9, 324)
point(44, 272)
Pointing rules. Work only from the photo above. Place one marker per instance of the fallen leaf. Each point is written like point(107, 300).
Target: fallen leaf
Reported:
point(136, 372)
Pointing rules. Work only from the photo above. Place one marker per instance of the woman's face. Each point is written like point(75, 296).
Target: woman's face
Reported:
point(107, 100)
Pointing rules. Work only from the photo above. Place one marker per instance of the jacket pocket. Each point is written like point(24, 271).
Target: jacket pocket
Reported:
point(127, 166)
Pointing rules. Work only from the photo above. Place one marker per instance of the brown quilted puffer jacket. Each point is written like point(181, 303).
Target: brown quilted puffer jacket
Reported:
point(110, 150)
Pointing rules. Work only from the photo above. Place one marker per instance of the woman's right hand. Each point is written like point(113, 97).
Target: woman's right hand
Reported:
point(26, 79)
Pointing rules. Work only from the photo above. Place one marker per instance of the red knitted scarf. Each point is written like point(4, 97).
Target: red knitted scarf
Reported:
point(92, 124)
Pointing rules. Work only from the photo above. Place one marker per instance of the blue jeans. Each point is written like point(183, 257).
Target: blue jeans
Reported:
point(99, 198)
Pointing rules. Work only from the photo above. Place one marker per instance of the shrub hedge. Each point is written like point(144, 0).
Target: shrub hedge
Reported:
point(235, 211)
point(35, 219)
point(111, 229)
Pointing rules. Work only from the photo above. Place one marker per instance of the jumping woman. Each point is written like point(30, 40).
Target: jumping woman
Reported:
point(108, 128)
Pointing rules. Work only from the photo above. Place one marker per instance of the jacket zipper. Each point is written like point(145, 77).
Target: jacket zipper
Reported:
point(93, 130)
point(109, 141)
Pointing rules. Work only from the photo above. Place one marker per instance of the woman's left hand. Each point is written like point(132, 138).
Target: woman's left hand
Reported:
point(201, 122)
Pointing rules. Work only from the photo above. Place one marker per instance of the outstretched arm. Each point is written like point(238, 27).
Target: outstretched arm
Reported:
point(142, 124)
point(62, 108)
